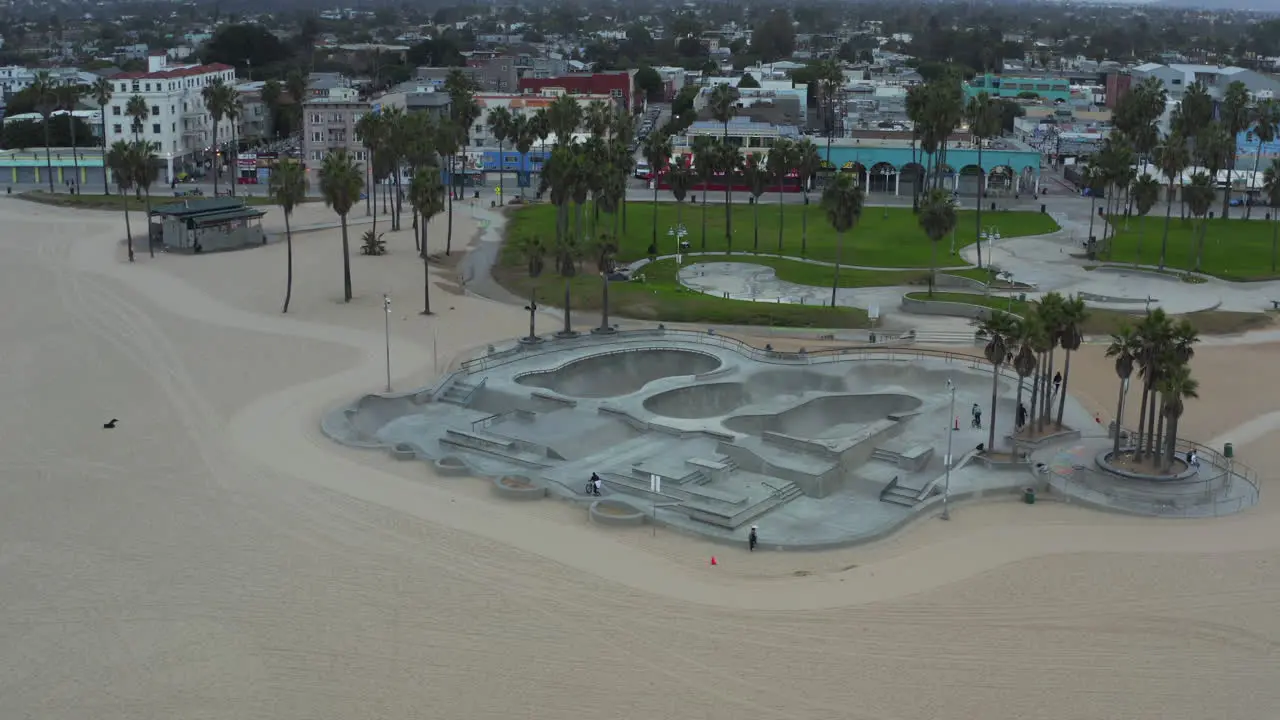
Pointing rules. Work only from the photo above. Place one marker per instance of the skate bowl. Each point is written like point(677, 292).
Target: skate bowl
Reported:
point(615, 512)
point(518, 487)
point(620, 372)
point(833, 416)
point(699, 401)
point(785, 382)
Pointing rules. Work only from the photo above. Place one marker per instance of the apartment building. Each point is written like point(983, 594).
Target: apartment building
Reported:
point(329, 123)
point(1177, 78)
point(489, 74)
point(179, 128)
point(518, 105)
point(619, 85)
point(255, 121)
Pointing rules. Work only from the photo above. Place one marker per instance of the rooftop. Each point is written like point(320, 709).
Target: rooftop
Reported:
point(192, 207)
point(179, 72)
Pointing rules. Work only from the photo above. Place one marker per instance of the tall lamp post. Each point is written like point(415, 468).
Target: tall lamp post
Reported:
point(386, 326)
point(678, 232)
point(946, 482)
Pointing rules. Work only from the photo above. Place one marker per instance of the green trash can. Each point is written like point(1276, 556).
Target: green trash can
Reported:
point(1228, 451)
point(1022, 297)
point(1029, 496)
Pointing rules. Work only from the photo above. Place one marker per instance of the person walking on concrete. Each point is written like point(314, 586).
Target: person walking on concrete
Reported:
point(752, 539)
point(977, 416)
point(593, 486)
point(1057, 383)
point(1021, 416)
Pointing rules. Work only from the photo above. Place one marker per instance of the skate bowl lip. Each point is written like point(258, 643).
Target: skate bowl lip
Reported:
point(1187, 473)
point(694, 393)
point(914, 404)
point(712, 362)
point(610, 511)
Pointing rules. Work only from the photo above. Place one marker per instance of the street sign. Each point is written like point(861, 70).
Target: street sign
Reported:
point(497, 190)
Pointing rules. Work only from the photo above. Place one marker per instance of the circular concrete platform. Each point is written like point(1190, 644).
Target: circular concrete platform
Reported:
point(615, 512)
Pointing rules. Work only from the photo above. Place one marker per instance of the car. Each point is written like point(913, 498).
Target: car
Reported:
point(642, 170)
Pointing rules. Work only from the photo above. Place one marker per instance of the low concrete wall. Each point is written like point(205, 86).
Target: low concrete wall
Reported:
point(938, 307)
point(518, 487)
point(624, 514)
point(451, 466)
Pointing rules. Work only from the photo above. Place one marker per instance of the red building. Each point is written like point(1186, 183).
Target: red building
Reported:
point(618, 84)
point(1118, 85)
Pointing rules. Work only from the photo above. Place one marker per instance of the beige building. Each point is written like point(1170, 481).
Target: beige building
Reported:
point(329, 123)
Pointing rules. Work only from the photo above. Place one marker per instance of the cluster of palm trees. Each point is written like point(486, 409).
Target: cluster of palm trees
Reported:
point(1160, 349)
point(223, 102)
point(52, 95)
point(132, 166)
point(1200, 141)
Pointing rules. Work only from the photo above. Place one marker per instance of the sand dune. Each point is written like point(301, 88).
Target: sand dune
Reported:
point(215, 556)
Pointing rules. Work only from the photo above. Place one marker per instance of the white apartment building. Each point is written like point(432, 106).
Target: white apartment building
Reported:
point(16, 78)
point(180, 128)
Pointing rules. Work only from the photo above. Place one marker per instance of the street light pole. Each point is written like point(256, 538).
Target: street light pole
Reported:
point(946, 483)
point(386, 325)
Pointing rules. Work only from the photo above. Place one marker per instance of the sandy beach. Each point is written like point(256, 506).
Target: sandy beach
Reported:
point(215, 556)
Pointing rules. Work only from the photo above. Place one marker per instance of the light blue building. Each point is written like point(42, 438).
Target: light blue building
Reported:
point(1247, 144)
point(890, 165)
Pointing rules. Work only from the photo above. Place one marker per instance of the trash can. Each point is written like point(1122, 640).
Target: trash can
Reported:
point(1022, 297)
point(1029, 496)
point(1228, 451)
point(1042, 208)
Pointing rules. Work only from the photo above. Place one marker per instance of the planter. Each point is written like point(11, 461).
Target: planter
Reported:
point(404, 451)
point(451, 465)
point(615, 512)
point(518, 487)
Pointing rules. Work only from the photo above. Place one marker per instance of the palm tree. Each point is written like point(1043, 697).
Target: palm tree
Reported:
point(1027, 333)
point(1000, 329)
point(340, 184)
point(534, 251)
point(1266, 123)
point(807, 165)
point(426, 197)
point(657, 151)
point(728, 160)
point(295, 83)
point(500, 123)
point(1072, 314)
point(1146, 192)
point(984, 123)
point(120, 159)
point(1154, 334)
point(780, 162)
point(564, 116)
point(1199, 195)
point(704, 163)
point(1234, 114)
point(679, 180)
point(829, 80)
point(101, 91)
point(1271, 188)
point(448, 143)
point(68, 96)
point(217, 101)
point(1172, 158)
point(234, 109)
point(842, 199)
point(1050, 311)
point(138, 113)
point(598, 118)
point(289, 188)
point(44, 90)
point(144, 174)
point(272, 91)
point(1039, 340)
point(624, 132)
point(722, 105)
point(371, 131)
point(521, 134)
point(1125, 347)
point(756, 176)
point(937, 219)
point(1213, 152)
point(399, 140)
point(1176, 387)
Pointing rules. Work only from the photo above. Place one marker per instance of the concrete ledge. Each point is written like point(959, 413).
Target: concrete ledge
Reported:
point(940, 307)
point(451, 466)
point(518, 487)
point(404, 451)
point(615, 512)
point(1063, 435)
point(994, 464)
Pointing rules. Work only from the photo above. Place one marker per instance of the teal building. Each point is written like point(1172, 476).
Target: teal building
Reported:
point(30, 166)
point(892, 166)
point(1006, 86)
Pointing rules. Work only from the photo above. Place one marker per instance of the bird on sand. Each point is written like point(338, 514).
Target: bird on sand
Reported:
point(109, 425)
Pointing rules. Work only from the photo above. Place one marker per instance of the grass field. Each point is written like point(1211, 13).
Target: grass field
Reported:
point(1235, 249)
point(116, 202)
point(893, 242)
point(1106, 322)
point(661, 298)
point(803, 273)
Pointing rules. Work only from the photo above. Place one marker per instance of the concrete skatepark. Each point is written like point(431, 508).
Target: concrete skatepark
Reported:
point(706, 434)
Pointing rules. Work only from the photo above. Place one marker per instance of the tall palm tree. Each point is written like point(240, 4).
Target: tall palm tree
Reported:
point(399, 139)
point(68, 96)
point(448, 144)
point(1266, 124)
point(234, 110)
point(138, 112)
point(1199, 195)
point(426, 197)
point(101, 92)
point(1146, 192)
point(829, 80)
point(756, 176)
point(144, 174)
point(1234, 113)
point(120, 158)
point(1154, 334)
point(597, 119)
point(500, 124)
point(217, 101)
point(1271, 189)
point(44, 90)
point(1000, 329)
point(1072, 314)
point(679, 180)
point(842, 200)
point(372, 131)
point(272, 92)
point(984, 123)
point(937, 218)
point(1125, 347)
point(728, 160)
point(704, 164)
point(657, 151)
point(1026, 330)
point(723, 106)
point(781, 160)
point(624, 133)
point(289, 189)
point(1172, 158)
point(521, 135)
point(340, 184)
point(1038, 341)
point(1050, 311)
point(564, 116)
point(807, 165)
point(1176, 387)
point(295, 83)
point(534, 251)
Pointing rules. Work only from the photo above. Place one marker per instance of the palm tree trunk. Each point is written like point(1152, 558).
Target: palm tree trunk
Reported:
point(915, 180)
point(1140, 445)
point(1275, 228)
point(346, 263)
point(48, 159)
point(501, 192)
point(1035, 393)
point(1017, 403)
point(728, 211)
point(1158, 450)
point(1204, 226)
point(1172, 450)
point(679, 223)
point(991, 433)
point(106, 184)
point(568, 327)
point(1142, 236)
point(151, 242)
point(128, 229)
point(604, 302)
point(1168, 215)
point(417, 245)
point(982, 178)
point(448, 238)
point(75, 157)
point(1152, 434)
point(426, 265)
point(1115, 448)
point(217, 161)
point(235, 160)
point(835, 282)
point(1047, 391)
point(933, 264)
point(395, 222)
point(781, 210)
point(1062, 395)
point(704, 216)
point(655, 216)
point(755, 211)
point(1093, 213)
point(288, 278)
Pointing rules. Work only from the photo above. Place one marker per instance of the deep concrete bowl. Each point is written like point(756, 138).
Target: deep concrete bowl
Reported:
point(451, 465)
point(518, 487)
point(615, 512)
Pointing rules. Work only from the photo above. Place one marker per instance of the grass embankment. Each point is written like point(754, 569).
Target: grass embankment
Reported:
point(1234, 249)
point(117, 202)
point(1106, 322)
point(822, 276)
point(895, 241)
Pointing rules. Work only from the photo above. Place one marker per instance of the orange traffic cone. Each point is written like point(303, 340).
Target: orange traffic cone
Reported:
point(713, 561)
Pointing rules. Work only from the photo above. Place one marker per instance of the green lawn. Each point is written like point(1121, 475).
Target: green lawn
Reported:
point(1234, 249)
point(1106, 322)
point(877, 241)
point(661, 298)
point(116, 202)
